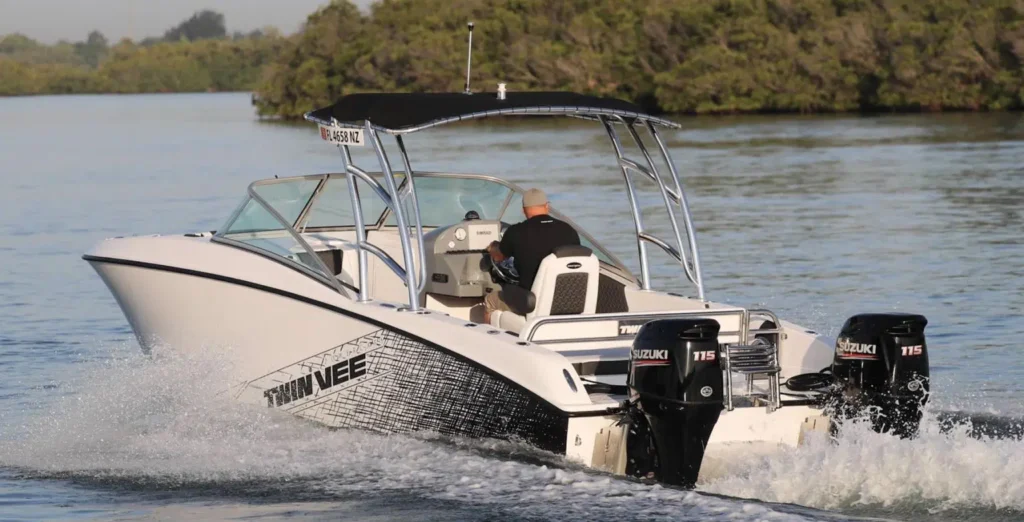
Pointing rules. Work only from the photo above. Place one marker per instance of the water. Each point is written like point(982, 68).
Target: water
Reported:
point(817, 218)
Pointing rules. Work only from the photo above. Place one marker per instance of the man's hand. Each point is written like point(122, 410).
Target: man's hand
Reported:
point(495, 251)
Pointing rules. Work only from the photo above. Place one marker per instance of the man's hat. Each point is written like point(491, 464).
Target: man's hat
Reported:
point(534, 198)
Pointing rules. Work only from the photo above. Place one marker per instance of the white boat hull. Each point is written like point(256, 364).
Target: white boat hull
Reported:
point(332, 365)
point(291, 343)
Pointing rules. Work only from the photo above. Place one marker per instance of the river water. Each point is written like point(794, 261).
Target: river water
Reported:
point(817, 218)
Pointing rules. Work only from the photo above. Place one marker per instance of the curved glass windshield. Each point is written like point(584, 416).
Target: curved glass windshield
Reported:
point(288, 198)
point(258, 228)
point(333, 206)
point(446, 200)
point(443, 200)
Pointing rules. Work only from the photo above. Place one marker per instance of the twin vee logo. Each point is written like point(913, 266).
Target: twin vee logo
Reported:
point(847, 349)
point(630, 327)
point(326, 377)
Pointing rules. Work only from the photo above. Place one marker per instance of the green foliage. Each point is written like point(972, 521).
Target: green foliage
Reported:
point(319, 64)
point(205, 65)
point(27, 67)
point(26, 50)
point(200, 26)
point(93, 49)
point(690, 56)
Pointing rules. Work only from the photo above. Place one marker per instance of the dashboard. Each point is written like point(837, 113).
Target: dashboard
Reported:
point(457, 260)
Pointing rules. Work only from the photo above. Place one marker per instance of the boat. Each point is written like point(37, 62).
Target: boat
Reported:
point(354, 299)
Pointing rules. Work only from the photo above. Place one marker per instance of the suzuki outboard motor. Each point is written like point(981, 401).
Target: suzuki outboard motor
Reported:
point(881, 369)
point(676, 382)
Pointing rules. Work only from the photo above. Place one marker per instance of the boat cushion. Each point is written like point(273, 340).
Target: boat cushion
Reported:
point(570, 294)
point(510, 321)
point(571, 251)
point(518, 299)
point(611, 296)
point(565, 285)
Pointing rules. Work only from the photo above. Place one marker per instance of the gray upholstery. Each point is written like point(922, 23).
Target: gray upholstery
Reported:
point(570, 294)
point(564, 285)
point(572, 251)
point(611, 296)
point(519, 299)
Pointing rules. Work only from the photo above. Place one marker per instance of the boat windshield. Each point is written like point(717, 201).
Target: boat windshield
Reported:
point(443, 200)
point(256, 226)
point(446, 200)
point(323, 203)
point(288, 198)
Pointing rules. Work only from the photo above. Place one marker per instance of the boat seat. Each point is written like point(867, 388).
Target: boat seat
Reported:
point(611, 296)
point(566, 284)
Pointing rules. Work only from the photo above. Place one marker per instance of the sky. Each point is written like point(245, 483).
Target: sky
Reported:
point(52, 20)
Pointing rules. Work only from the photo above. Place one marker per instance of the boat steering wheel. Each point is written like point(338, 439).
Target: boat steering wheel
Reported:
point(504, 272)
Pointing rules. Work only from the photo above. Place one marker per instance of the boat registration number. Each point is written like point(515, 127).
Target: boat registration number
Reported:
point(342, 136)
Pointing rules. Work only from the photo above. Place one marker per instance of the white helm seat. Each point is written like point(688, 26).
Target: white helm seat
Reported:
point(566, 284)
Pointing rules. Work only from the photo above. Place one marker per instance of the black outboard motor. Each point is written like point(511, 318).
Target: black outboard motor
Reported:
point(676, 381)
point(881, 368)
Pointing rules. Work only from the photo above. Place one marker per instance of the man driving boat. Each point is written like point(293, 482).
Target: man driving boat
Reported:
point(528, 243)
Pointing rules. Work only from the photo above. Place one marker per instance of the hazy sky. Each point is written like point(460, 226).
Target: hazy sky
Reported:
point(52, 20)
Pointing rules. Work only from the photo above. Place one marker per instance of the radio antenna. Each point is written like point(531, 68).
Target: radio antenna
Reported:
point(469, 57)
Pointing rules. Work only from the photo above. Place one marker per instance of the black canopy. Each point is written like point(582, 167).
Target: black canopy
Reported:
point(407, 112)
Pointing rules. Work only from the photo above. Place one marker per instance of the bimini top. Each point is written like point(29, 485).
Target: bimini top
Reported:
point(398, 113)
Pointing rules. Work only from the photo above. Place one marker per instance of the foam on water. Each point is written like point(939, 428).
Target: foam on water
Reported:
point(159, 423)
point(944, 468)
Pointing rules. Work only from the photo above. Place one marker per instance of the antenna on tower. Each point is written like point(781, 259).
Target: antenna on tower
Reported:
point(469, 57)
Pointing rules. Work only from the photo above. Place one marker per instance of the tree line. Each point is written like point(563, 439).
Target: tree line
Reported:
point(195, 55)
point(679, 56)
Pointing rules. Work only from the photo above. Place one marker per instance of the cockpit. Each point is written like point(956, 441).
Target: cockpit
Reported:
point(460, 216)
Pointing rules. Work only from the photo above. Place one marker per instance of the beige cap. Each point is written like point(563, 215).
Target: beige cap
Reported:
point(534, 198)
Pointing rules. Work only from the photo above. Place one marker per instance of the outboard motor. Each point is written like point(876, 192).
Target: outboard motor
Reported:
point(675, 380)
point(881, 368)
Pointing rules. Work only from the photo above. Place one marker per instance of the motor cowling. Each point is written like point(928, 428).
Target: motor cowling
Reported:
point(880, 369)
point(675, 381)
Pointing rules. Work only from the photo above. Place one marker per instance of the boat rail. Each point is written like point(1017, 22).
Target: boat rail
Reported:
point(402, 204)
point(683, 249)
point(394, 200)
point(752, 355)
point(650, 171)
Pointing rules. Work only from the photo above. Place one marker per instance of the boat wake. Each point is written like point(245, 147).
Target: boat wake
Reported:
point(957, 465)
point(159, 423)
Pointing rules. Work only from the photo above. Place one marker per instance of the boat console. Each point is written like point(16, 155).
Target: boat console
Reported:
point(456, 259)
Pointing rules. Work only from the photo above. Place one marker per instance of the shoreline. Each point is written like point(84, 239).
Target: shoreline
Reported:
point(867, 112)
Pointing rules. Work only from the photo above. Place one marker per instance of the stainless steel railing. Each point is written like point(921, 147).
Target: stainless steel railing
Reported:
point(672, 196)
point(754, 355)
